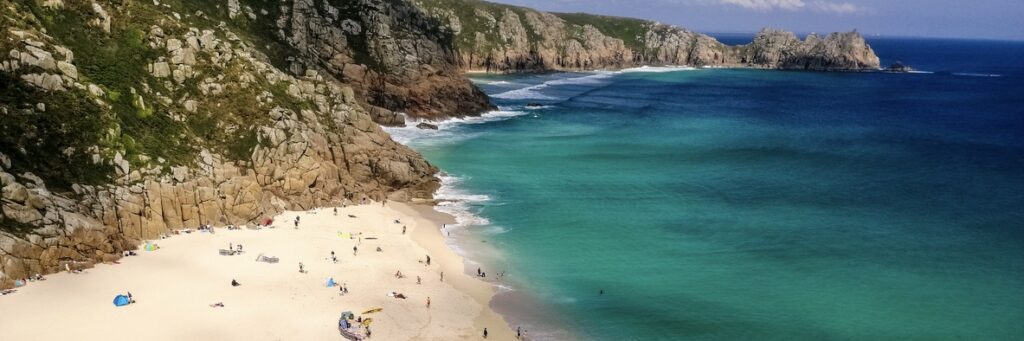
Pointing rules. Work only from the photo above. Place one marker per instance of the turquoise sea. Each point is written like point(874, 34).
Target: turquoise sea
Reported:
point(747, 204)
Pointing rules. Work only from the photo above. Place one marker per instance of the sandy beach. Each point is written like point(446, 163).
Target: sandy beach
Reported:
point(175, 285)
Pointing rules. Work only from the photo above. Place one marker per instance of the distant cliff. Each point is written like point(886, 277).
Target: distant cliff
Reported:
point(501, 38)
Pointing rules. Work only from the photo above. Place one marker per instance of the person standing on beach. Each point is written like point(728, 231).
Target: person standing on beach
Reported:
point(442, 276)
point(428, 302)
point(485, 332)
point(428, 260)
point(355, 249)
point(335, 211)
point(301, 269)
point(519, 333)
point(403, 229)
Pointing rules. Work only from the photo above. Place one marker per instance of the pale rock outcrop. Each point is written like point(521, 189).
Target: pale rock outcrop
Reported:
point(68, 69)
point(103, 20)
point(160, 69)
point(45, 81)
point(233, 8)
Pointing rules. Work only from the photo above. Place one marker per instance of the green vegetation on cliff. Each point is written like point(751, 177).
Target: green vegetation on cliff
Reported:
point(138, 119)
point(39, 142)
point(631, 31)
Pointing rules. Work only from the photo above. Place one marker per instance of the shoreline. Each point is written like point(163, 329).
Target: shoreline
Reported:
point(176, 285)
point(483, 292)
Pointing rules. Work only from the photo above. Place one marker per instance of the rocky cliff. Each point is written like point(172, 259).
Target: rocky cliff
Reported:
point(396, 56)
point(122, 121)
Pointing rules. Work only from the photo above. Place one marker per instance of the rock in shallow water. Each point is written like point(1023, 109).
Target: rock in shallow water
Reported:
point(425, 125)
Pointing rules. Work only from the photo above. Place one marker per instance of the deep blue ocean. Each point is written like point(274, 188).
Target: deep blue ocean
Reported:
point(750, 204)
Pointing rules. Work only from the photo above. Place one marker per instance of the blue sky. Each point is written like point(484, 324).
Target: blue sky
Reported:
point(990, 19)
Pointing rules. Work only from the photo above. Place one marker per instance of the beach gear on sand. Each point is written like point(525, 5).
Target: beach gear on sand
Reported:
point(374, 310)
point(349, 331)
point(151, 247)
point(19, 283)
point(345, 235)
point(267, 259)
point(121, 300)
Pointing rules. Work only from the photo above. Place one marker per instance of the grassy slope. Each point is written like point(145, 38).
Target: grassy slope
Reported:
point(630, 31)
point(117, 62)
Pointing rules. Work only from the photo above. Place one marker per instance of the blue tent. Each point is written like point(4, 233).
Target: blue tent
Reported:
point(121, 300)
point(331, 283)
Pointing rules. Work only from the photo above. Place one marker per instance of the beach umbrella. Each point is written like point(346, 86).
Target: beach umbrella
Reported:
point(121, 300)
point(331, 283)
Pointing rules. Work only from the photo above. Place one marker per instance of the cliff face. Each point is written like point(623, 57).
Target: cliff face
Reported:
point(397, 57)
point(122, 121)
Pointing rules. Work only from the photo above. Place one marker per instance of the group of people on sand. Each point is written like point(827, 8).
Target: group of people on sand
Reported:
point(483, 274)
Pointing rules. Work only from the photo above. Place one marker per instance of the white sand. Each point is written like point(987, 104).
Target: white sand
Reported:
point(175, 285)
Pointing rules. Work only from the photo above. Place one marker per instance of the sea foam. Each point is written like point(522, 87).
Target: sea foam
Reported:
point(591, 78)
point(411, 134)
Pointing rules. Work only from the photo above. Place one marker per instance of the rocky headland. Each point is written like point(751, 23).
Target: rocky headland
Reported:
point(124, 120)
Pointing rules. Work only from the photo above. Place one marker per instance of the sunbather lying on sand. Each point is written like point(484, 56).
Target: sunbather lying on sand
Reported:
point(7, 292)
point(396, 295)
point(217, 305)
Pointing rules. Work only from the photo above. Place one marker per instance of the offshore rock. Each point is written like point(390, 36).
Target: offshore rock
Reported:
point(425, 125)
